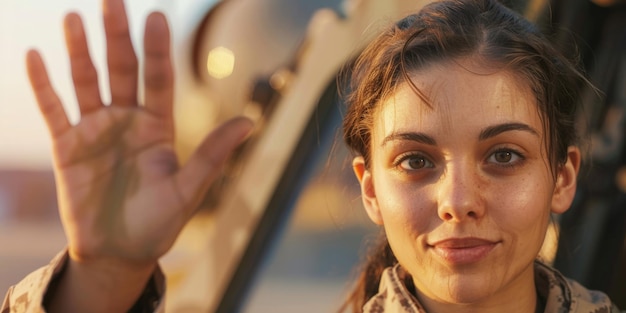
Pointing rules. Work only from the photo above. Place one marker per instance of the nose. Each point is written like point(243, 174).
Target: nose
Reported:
point(459, 193)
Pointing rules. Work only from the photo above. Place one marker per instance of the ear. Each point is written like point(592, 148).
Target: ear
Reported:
point(368, 194)
point(565, 187)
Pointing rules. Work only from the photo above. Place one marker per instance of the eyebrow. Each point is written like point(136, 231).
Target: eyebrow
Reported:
point(411, 136)
point(485, 134)
point(495, 130)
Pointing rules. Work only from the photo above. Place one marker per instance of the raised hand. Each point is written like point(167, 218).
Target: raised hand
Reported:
point(123, 196)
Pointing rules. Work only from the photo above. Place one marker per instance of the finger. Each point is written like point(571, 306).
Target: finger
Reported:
point(121, 57)
point(83, 71)
point(204, 166)
point(158, 73)
point(49, 102)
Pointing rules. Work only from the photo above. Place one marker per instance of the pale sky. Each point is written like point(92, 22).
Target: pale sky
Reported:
point(25, 24)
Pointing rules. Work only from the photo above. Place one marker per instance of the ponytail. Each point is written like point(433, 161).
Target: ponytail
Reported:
point(379, 257)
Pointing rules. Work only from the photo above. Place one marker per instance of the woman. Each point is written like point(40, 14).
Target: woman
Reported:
point(461, 118)
point(462, 122)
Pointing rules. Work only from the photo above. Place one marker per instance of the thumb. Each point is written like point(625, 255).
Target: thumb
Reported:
point(205, 164)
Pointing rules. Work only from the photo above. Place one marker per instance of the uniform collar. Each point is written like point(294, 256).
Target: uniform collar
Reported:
point(560, 295)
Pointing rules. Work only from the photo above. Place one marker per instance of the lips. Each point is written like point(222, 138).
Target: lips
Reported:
point(460, 251)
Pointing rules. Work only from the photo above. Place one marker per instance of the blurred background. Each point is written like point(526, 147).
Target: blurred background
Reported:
point(250, 57)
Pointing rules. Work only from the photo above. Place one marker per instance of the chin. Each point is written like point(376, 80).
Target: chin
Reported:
point(465, 296)
point(464, 289)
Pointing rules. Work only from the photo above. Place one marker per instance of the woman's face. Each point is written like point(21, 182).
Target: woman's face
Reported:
point(463, 188)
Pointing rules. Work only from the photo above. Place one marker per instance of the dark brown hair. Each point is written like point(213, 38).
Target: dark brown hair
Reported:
point(447, 31)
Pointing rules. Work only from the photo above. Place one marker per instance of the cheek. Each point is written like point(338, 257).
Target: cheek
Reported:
point(403, 207)
point(523, 209)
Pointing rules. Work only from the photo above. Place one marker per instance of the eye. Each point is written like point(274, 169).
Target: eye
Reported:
point(505, 157)
point(412, 161)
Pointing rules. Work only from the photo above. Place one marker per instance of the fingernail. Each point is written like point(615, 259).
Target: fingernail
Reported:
point(110, 6)
point(73, 24)
point(156, 19)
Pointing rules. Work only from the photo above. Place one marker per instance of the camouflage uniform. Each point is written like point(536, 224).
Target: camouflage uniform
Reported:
point(28, 295)
point(560, 294)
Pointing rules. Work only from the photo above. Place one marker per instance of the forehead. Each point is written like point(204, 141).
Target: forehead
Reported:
point(461, 96)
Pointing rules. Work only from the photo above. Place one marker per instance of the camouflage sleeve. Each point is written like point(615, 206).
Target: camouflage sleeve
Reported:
point(28, 295)
point(151, 299)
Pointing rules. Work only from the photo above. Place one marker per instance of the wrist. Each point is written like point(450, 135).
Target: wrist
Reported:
point(99, 285)
point(113, 268)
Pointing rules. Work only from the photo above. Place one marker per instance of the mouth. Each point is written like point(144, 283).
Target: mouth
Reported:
point(461, 251)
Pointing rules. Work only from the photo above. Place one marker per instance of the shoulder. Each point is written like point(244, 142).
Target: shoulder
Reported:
point(392, 295)
point(585, 300)
point(564, 295)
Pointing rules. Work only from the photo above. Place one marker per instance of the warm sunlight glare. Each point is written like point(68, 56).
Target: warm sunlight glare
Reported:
point(220, 62)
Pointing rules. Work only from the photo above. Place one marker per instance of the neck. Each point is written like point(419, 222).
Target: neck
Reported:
point(519, 296)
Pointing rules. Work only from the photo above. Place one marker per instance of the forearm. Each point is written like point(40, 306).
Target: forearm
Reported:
point(101, 286)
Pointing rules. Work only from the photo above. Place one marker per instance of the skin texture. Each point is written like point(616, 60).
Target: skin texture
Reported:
point(463, 188)
point(123, 196)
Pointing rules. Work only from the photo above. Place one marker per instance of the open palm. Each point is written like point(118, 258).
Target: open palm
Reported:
point(122, 194)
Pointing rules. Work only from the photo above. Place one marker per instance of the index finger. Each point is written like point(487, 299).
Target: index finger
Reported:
point(49, 103)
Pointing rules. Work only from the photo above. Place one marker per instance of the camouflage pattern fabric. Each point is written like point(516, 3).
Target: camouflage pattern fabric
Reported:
point(561, 295)
point(28, 295)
